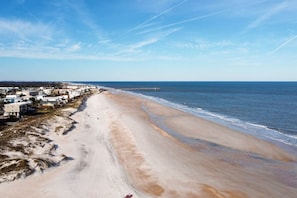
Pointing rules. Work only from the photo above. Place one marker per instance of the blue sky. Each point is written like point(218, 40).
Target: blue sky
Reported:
point(149, 40)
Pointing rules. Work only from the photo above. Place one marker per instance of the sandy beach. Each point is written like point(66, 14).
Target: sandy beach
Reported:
point(124, 144)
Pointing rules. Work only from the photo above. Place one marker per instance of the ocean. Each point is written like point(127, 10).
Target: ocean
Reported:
point(264, 109)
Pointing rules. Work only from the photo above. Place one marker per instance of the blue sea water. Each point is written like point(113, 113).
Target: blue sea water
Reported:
point(263, 109)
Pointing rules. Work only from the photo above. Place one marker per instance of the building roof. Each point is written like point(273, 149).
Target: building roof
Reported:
point(18, 103)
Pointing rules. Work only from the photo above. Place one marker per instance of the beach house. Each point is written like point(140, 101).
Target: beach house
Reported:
point(12, 99)
point(54, 101)
point(4, 90)
point(74, 94)
point(16, 109)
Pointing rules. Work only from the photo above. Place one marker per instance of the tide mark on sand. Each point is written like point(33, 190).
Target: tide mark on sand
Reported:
point(210, 191)
point(133, 162)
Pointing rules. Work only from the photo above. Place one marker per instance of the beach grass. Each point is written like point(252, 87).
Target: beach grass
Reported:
point(21, 140)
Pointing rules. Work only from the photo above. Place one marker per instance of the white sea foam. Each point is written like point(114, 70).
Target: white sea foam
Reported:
point(254, 129)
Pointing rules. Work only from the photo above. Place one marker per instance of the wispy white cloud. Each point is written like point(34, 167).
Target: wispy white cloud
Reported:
point(143, 43)
point(65, 49)
point(202, 44)
point(283, 44)
point(209, 48)
point(51, 53)
point(147, 22)
point(180, 22)
point(75, 47)
point(85, 16)
point(155, 6)
point(25, 29)
point(153, 38)
point(151, 22)
point(136, 47)
point(268, 14)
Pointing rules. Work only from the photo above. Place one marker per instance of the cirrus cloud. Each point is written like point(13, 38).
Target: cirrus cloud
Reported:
point(25, 29)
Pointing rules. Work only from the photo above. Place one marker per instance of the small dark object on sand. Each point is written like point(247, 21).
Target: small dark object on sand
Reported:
point(129, 196)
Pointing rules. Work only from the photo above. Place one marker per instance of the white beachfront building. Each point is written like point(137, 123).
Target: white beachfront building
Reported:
point(54, 101)
point(12, 99)
point(74, 93)
point(16, 109)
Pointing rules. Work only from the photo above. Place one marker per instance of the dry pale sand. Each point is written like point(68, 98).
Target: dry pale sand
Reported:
point(124, 144)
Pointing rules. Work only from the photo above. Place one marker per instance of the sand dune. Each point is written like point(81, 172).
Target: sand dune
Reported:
point(124, 144)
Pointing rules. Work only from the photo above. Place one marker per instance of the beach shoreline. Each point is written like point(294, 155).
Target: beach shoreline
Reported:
point(124, 144)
